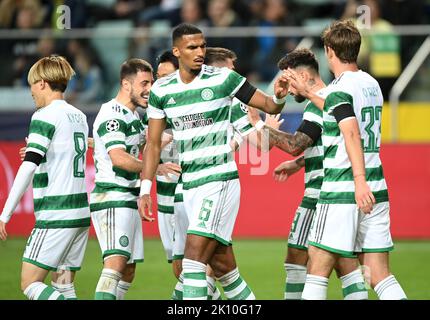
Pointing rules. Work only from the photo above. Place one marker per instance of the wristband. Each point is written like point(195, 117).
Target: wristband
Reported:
point(259, 125)
point(279, 101)
point(145, 187)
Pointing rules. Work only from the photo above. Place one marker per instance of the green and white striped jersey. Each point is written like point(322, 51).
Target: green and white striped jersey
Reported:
point(361, 91)
point(199, 113)
point(313, 158)
point(115, 126)
point(59, 133)
point(239, 118)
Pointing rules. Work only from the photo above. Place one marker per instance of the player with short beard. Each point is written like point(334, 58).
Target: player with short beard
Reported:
point(119, 137)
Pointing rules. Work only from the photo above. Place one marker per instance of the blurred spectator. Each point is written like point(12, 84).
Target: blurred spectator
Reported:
point(122, 9)
point(21, 14)
point(45, 46)
point(192, 12)
point(168, 10)
point(17, 54)
point(221, 14)
point(270, 48)
point(85, 88)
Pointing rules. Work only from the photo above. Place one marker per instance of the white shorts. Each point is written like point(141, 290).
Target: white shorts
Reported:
point(56, 249)
point(119, 231)
point(166, 225)
point(344, 229)
point(212, 209)
point(299, 232)
point(181, 227)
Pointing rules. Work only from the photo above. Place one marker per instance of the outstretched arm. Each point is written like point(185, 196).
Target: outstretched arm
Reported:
point(288, 168)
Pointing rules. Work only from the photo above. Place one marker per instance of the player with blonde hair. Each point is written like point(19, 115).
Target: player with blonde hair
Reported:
point(55, 162)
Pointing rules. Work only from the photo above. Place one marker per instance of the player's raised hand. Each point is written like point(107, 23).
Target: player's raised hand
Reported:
point(145, 207)
point(281, 85)
point(363, 195)
point(297, 82)
point(3, 233)
point(285, 170)
point(253, 115)
point(164, 169)
point(272, 120)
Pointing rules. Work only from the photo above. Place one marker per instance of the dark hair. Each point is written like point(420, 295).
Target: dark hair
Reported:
point(217, 54)
point(184, 29)
point(132, 66)
point(299, 58)
point(168, 56)
point(345, 40)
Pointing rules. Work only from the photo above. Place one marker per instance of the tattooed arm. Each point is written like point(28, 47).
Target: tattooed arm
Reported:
point(293, 144)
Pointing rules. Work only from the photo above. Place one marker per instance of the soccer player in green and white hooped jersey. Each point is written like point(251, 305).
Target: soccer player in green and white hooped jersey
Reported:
point(353, 208)
point(240, 120)
point(55, 161)
point(118, 139)
point(196, 100)
point(307, 139)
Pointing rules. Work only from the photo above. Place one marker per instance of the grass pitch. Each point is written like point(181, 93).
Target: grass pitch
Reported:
point(260, 263)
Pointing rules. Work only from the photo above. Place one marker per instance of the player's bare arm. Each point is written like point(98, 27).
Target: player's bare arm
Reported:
point(123, 160)
point(151, 159)
point(351, 133)
point(293, 144)
point(288, 168)
point(256, 138)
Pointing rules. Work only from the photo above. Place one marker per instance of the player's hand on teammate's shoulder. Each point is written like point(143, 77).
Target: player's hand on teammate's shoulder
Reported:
point(144, 205)
point(3, 233)
point(363, 195)
point(273, 120)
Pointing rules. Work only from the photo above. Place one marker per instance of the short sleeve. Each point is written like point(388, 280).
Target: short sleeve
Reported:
point(313, 114)
point(336, 99)
point(155, 107)
point(40, 135)
point(112, 133)
point(233, 82)
point(239, 118)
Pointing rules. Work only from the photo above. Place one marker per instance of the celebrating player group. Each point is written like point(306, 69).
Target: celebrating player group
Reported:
point(197, 114)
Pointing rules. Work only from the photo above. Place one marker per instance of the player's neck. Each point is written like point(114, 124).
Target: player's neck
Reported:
point(188, 75)
point(316, 84)
point(342, 67)
point(125, 100)
point(54, 95)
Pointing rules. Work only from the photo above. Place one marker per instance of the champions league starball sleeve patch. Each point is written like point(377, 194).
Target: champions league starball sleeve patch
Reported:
point(112, 125)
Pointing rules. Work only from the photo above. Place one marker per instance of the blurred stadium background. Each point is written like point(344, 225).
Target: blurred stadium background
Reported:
point(103, 33)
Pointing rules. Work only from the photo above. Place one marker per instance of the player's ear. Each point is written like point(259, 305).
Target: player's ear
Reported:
point(175, 51)
point(125, 83)
point(42, 84)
